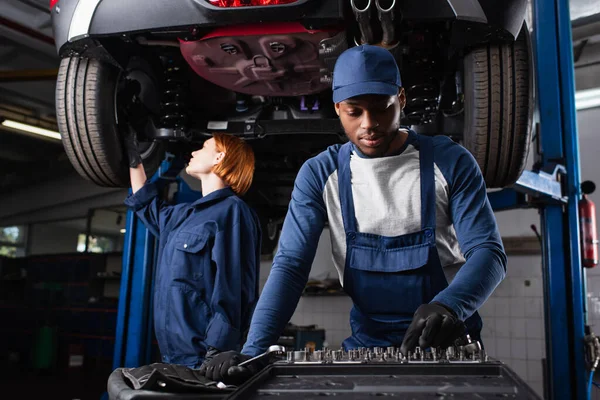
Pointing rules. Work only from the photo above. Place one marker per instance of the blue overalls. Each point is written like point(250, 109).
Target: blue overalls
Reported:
point(207, 274)
point(388, 278)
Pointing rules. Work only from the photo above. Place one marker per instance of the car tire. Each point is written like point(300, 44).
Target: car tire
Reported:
point(498, 87)
point(86, 109)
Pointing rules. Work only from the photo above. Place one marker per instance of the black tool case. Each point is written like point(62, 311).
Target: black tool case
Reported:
point(490, 380)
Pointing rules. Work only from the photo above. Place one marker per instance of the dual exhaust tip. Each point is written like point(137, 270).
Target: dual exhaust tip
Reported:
point(363, 9)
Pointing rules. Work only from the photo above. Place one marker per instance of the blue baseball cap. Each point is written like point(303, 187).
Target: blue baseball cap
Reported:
point(365, 69)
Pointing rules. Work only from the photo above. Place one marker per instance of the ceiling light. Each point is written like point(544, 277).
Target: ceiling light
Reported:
point(123, 230)
point(585, 99)
point(31, 129)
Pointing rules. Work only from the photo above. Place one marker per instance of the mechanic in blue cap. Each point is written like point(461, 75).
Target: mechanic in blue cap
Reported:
point(206, 282)
point(414, 239)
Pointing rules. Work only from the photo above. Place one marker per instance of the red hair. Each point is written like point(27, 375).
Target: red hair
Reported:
point(237, 167)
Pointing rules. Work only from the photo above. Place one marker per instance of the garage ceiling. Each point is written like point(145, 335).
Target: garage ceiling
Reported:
point(28, 64)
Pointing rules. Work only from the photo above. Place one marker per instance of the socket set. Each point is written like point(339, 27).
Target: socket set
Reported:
point(363, 374)
point(469, 353)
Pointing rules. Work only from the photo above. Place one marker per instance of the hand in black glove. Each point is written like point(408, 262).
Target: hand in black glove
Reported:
point(211, 352)
point(433, 325)
point(131, 145)
point(223, 368)
point(134, 116)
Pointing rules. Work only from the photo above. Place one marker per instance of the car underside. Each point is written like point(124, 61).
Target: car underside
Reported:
point(262, 69)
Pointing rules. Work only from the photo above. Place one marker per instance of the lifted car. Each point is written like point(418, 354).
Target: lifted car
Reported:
point(262, 69)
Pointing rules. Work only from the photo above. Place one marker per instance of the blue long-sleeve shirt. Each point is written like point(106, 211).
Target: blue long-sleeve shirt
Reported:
point(386, 193)
point(206, 282)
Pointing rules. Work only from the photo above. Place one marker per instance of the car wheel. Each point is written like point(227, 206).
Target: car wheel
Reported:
point(498, 87)
point(87, 93)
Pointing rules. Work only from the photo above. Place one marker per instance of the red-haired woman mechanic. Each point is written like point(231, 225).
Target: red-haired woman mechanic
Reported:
point(209, 252)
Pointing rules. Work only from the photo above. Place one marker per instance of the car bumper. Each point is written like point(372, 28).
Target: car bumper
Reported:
point(76, 20)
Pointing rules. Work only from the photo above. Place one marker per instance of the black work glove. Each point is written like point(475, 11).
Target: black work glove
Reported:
point(433, 325)
point(211, 352)
point(223, 368)
point(131, 146)
point(134, 116)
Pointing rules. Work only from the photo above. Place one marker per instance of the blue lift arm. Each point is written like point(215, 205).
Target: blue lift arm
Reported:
point(563, 272)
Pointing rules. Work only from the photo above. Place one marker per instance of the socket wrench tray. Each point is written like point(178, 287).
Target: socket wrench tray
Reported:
point(490, 380)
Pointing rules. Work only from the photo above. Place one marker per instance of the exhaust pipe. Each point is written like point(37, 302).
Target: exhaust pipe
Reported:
point(362, 11)
point(386, 14)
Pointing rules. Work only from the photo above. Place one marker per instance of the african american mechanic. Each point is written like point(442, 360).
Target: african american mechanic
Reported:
point(414, 239)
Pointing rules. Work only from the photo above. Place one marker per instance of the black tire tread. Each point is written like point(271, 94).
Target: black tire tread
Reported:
point(498, 109)
point(85, 108)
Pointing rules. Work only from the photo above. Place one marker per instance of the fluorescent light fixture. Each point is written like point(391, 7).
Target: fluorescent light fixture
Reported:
point(123, 230)
point(585, 99)
point(31, 129)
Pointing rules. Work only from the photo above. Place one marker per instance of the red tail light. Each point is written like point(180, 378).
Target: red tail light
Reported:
point(245, 3)
point(53, 3)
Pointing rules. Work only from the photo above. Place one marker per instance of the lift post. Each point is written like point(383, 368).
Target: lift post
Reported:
point(555, 189)
point(563, 272)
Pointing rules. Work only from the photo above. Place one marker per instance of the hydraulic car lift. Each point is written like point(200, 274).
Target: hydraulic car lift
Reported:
point(553, 188)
